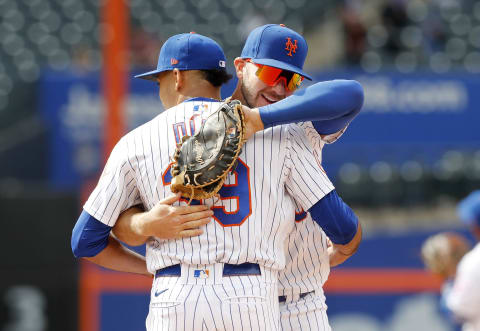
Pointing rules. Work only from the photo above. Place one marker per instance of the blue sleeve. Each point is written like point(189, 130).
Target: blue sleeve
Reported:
point(89, 236)
point(336, 218)
point(331, 105)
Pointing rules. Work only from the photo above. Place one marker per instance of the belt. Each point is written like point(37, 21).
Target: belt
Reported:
point(283, 298)
point(243, 269)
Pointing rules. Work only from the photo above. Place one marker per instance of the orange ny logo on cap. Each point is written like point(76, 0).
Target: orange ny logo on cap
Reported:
point(175, 61)
point(290, 47)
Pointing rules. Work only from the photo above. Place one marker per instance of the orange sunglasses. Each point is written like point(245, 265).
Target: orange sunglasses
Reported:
point(271, 75)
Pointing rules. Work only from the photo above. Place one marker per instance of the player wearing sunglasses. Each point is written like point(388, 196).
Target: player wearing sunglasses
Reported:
point(272, 76)
point(269, 70)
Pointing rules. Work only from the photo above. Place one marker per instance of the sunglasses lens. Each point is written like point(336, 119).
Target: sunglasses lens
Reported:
point(268, 75)
point(295, 82)
point(271, 75)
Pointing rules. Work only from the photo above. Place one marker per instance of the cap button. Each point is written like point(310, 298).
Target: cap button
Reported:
point(192, 32)
point(282, 25)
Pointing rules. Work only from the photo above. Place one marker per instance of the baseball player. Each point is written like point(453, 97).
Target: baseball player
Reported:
point(464, 297)
point(449, 256)
point(302, 301)
point(441, 254)
point(131, 177)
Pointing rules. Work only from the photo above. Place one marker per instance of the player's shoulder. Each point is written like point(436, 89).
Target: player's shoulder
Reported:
point(308, 129)
point(316, 138)
point(141, 129)
point(278, 134)
point(296, 130)
point(283, 133)
point(140, 132)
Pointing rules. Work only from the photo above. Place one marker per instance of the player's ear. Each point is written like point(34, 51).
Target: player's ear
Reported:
point(239, 64)
point(179, 79)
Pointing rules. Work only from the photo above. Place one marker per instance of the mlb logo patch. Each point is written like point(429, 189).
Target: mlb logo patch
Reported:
point(201, 273)
point(200, 107)
point(221, 64)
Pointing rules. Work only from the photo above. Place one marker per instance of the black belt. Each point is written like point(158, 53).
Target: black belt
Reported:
point(243, 269)
point(283, 298)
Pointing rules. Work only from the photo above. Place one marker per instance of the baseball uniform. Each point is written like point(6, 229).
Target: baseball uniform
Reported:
point(300, 284)
point(464, 298)
point(226, 278)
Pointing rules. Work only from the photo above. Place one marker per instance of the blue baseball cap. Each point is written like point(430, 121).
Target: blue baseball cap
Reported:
point(469, 208)
point(277, 46)
point(188, 51)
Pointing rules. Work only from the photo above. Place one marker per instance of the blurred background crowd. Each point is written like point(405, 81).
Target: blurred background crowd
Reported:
point(437, 36)
point(402, 166)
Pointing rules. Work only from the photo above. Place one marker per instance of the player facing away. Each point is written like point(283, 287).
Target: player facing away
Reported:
point(301, 297)
point(131, 177)
point(227, 276)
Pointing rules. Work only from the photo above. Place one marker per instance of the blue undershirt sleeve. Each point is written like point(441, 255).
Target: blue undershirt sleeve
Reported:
point(330, 105)
point(89, 236)
point(336, 218)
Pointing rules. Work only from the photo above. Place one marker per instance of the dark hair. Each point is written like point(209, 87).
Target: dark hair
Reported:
point(216, 77)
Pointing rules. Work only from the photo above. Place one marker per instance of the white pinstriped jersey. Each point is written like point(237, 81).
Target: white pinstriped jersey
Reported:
point(464, 297)
point(307, 263)
point(254, 214)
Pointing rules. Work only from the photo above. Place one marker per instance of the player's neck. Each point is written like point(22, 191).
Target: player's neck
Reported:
point(200, 90)
point(238, 95)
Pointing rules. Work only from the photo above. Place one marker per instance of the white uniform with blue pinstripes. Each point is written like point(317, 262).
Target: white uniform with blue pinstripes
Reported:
point(252, 219)
point(307, 263)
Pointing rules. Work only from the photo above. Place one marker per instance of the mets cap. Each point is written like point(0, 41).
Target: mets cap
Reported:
point(469, 208)
point(188, 51)
point(277, 46)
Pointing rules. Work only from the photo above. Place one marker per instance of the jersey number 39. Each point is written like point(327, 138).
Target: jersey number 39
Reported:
point(235, 204)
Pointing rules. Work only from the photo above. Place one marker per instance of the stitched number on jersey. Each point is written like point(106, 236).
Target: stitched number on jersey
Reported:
point(180, 129)
point(235, 204)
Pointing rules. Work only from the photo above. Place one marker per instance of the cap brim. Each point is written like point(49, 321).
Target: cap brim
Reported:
point(151, 75)
point(282, 65)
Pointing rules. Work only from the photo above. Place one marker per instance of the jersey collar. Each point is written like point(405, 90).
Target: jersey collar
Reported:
point(201, 99)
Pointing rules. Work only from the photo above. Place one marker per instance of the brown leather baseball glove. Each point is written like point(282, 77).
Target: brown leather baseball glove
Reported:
point(202, 162)
point(442, 252)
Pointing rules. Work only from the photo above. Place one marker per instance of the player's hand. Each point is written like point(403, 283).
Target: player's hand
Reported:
point(253, 121)
point(338, 254)
point(335, 255)
point(172, 222)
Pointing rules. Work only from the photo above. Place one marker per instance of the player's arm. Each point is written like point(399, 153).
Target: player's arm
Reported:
point(91, 239)
point(330, 105)
point(337, 253)
point(164, 221)
point(117, 257)
point(311, 187)
point(116, 191)
point(340, 224)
